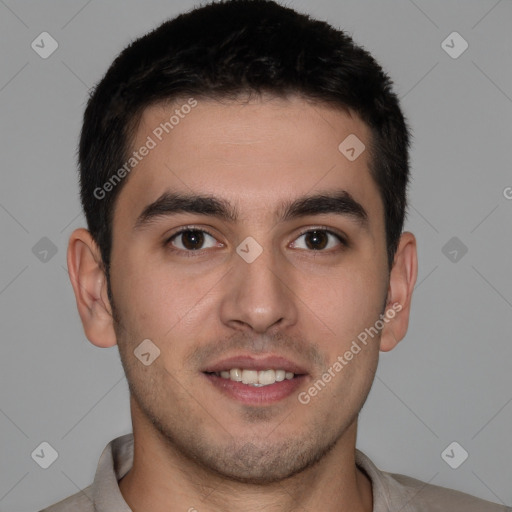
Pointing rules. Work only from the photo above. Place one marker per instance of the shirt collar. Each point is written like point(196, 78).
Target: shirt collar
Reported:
point(117, 459)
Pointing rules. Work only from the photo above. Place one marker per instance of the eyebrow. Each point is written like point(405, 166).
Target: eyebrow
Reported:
point(339, 202)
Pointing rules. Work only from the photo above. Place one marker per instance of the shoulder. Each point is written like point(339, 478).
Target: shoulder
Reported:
point(433, 498)
point(79, 502)
point(392, 492)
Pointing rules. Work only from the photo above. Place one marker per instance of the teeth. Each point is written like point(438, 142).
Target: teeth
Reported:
point(235, 374)
point(250, 376)
point(254, 377)
point(267, 377)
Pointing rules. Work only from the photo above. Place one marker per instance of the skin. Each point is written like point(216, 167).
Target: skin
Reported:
point(194, 446)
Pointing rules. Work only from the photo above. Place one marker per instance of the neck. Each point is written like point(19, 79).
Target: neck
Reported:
point(162, 479)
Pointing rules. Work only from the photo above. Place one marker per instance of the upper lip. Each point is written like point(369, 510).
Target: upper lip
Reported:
point(249, 362)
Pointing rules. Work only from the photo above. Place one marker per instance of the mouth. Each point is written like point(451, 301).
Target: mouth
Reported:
point(256, 381)
point(254, 377)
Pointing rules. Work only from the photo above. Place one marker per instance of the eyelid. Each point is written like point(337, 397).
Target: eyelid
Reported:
point(183, 229)
point(342, 238)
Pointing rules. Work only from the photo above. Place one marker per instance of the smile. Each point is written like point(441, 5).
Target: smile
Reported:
point(254, 377)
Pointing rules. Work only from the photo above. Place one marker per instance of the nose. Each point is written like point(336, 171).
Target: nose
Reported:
point(259, 295)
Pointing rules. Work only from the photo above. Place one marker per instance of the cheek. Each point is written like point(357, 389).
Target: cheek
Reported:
point(140, 295)
point(347, 301)
point(157, 300)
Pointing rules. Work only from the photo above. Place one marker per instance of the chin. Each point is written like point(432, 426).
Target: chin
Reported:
point(260, 465)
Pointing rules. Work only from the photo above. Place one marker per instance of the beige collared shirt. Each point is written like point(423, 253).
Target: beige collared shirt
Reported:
point(391, 492)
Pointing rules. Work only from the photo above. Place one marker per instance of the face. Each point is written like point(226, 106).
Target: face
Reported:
point(251, 278)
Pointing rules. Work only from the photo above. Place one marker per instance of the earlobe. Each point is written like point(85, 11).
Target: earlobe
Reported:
point(401, 285)
point(90, 286)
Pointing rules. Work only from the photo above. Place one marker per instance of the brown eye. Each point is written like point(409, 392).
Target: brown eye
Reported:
point(318, 240)
point(191, 239)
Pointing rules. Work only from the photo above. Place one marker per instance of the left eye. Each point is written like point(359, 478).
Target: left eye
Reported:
point(317, 240)
point(192, 239)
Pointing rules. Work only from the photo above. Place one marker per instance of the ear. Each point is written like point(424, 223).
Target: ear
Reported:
point(90, 286)
point(401, 285)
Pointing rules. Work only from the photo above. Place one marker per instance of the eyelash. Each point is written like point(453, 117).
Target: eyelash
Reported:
point(187, 254)
point(200, 252)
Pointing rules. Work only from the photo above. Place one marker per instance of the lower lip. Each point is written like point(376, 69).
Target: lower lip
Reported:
point(256, 395)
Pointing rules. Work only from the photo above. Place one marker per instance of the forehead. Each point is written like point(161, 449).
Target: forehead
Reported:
point(254, 154)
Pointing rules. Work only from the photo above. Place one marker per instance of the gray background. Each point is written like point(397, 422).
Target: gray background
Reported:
point(449, 380)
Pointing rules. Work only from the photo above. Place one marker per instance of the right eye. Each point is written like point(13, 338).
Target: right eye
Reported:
point(190, 239)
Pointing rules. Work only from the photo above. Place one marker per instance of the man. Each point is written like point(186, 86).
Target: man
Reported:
point(243, 174)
